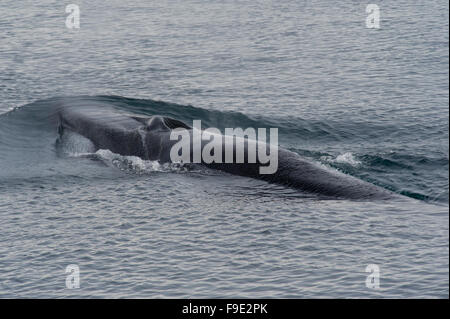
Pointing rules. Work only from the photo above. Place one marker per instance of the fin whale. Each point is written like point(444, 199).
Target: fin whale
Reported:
point(149, 138)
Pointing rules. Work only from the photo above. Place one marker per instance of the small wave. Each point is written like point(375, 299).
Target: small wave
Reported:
point(346, 158)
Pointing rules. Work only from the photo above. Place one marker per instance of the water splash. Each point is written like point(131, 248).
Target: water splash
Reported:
point(134, 164)
point(345, 158)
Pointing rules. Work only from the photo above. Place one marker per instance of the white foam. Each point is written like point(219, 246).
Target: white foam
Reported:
point(346, 158)
point(137, 165)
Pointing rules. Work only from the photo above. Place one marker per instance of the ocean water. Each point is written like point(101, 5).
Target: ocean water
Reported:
point(372, 103)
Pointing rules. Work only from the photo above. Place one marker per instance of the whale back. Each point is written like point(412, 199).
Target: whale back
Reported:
point(150, 138)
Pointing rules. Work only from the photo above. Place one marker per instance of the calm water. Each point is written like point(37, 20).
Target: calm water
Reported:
point(371, 103)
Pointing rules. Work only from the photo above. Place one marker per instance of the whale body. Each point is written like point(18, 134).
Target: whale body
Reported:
point(149, 138)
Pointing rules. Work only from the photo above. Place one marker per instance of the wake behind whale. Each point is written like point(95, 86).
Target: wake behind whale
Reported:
point(149, 137)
